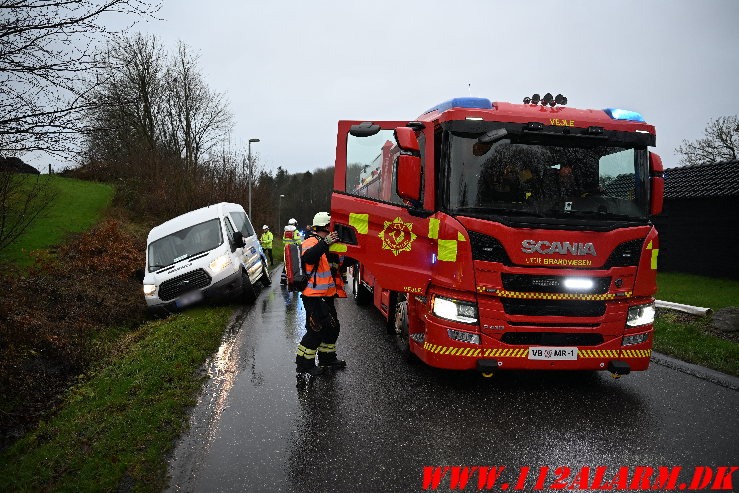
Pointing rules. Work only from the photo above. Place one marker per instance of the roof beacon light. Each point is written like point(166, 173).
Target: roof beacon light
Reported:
point(480, 103)
point(619, 114)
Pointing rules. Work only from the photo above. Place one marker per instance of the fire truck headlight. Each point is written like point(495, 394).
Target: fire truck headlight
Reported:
point(640, 315)
point(457, 310)
point(578, 283)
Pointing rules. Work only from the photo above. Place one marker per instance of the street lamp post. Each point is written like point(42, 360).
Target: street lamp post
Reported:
point(251, 176)
point(279, 213)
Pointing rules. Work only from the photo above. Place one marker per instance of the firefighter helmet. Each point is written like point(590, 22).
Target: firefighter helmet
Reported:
point(321, 219)
point(265, 227)
point(292, 221)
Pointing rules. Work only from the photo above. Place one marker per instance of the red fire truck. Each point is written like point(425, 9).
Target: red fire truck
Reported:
point(496, 236)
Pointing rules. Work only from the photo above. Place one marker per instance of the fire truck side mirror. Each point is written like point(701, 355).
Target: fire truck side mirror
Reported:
point(656, 184)
point(408, 179)
point(406, 138)
point(365, 129)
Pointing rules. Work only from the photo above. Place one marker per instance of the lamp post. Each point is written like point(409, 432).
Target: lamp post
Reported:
point(251, 176)
point(279, 213)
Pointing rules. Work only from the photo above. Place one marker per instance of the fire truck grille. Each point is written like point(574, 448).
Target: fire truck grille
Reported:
point(551, 339)
point(556, 308)
point(487, 248)
point(190, 281)
point(549, 284)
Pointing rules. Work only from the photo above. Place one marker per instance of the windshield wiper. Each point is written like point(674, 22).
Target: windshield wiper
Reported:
point(199, 253)
point(499, 210)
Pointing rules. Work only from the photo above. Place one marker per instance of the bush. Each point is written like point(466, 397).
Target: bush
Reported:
point(53, 320)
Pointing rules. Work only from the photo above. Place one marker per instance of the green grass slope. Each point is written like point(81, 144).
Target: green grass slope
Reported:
point(76, 207)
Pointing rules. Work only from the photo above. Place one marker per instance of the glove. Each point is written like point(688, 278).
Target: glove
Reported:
point(331, 238)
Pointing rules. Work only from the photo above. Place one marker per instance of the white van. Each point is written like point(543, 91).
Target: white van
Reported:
point(208, 253)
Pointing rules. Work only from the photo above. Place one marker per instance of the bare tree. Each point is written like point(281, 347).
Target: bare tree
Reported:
point(721, 143)
point(198, 117)
point(47, 64)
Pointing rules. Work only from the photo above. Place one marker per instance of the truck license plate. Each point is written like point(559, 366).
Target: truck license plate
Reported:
point(189, 299)
point(553, 353)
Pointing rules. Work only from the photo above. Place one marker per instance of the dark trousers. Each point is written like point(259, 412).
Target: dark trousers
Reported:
point(322, 342)
point(268, 251)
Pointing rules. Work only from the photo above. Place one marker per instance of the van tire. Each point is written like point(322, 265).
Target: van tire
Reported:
point(248, 293)
point(266, 280)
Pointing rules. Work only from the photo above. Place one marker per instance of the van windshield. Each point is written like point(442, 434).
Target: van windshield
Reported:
point(184, 244)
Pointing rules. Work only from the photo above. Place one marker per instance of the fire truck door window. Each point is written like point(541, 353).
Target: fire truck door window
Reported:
point(370, 169)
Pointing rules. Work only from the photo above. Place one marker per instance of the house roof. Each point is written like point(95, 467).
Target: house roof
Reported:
point(703, 180)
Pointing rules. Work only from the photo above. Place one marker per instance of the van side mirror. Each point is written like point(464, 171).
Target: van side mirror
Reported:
point(408, 178)
point(656, 184)
point(238, 240)
point(139, 275)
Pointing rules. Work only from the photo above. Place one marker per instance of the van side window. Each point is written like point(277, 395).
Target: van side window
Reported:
point(229, 228)
point(242, 223)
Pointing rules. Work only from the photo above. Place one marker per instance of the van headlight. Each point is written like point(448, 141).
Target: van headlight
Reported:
point(640, 315)
point(220, 263)
point(457, 310)
point(150, 289)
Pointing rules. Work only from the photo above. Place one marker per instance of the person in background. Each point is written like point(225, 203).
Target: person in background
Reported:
point(290, 235)
point(266, 241)
point(325, 283)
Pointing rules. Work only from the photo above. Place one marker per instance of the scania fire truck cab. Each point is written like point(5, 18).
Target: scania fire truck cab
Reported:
point(500, 236)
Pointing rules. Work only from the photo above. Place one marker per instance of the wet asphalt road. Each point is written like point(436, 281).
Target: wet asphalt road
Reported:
point(375, 425)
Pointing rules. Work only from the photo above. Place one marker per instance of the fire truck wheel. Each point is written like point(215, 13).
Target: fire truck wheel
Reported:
point(248, 294)
point(401, 327)
point(266, 281)
point(360, 293)
point(392, 309)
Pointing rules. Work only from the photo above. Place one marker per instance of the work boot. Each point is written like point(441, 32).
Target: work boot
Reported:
point(309, 370)
point(335, 364)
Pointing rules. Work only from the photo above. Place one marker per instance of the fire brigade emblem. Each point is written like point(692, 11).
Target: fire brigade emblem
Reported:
point(397, 236)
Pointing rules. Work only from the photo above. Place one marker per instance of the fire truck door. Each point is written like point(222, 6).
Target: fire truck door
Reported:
point(377, 228)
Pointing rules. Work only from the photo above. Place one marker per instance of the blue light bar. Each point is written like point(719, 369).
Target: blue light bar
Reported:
point(619, 114)
point(481, 103)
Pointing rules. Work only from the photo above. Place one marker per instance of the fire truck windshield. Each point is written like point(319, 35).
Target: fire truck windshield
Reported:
point(549, 176)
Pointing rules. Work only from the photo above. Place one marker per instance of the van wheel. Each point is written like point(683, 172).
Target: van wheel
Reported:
point(401, 327)
point(266, 280)
point(248, 294)
point(361, 294)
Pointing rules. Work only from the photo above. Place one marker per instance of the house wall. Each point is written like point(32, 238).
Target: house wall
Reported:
point(700, 236)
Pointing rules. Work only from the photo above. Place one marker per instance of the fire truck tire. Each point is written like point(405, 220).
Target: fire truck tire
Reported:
point(401, 328)
point(392, 309)
point(248, 293)
point(361, 295)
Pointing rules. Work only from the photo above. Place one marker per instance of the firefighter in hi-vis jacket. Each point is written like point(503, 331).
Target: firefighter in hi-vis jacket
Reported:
point(324, 285)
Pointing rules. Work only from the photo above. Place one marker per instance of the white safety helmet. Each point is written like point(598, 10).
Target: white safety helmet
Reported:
point(265, 227)
point(321, 219)
point(292, 221)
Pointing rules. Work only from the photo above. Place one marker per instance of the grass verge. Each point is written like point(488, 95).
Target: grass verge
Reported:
point(77, 206)
point(694, 339)
point(696, 290)
point(114, 431)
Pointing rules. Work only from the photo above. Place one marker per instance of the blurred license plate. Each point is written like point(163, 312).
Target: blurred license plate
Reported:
point(189, 299)
point(553, 353)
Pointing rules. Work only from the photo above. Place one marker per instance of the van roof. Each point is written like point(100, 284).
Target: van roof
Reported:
point(191, 218)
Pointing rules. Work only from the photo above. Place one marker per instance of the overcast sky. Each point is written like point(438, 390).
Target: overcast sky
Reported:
point(292, 69)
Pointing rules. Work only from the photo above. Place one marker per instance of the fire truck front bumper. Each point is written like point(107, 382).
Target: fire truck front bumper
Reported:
point(492, 355)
